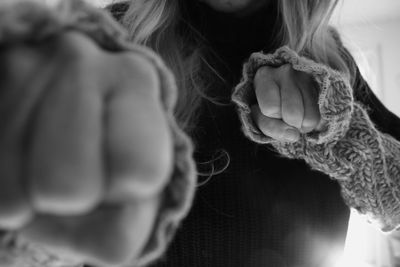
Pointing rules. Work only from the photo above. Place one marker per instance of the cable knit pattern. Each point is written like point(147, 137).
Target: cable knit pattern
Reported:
point(364, 161)
point(31, 21)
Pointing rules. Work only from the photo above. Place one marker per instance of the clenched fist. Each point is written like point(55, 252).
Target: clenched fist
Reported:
point(287, 103)
point(85, 148)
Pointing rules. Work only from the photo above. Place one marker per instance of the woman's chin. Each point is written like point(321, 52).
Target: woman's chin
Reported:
point(230, 6)
point(238, 7)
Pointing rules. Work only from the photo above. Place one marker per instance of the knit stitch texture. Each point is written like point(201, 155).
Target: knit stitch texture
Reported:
point(30, 22)
point(364, 161)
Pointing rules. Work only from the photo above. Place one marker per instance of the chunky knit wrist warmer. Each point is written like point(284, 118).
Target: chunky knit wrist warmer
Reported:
point(30, 22)
point(364, 161)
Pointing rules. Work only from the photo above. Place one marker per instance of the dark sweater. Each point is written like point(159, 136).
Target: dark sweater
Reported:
point(263, 210)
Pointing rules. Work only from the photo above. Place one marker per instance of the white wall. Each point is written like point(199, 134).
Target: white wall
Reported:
point(380, 41)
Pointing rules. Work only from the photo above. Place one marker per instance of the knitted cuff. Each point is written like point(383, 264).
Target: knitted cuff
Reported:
point(368, 170)
point(30, 22)
point(335, 96)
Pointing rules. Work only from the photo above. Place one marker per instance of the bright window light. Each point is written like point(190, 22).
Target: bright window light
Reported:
point(365, 245)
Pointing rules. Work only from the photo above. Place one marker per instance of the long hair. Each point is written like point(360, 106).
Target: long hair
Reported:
point(305, 29)
point(156, 24)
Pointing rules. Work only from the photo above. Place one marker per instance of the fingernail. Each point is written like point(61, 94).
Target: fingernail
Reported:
point(291, 135)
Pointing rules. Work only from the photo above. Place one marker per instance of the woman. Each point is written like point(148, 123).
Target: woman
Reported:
point(263, 210)
point(258, 208)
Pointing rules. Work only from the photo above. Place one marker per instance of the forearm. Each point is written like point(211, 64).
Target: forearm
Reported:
point(350, 149)
point(366, 164)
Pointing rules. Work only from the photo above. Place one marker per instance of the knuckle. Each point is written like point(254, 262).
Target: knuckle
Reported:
point(149, 174)
point(280, 135)
point(161, 171)
point(154, 175)
point(77, 50)
point(272, 110)
point(267, 127)
point(141, 183)
point(141, 70)
point(64, 203)
point(293, 117)
point(292, 110)
point(15, 216)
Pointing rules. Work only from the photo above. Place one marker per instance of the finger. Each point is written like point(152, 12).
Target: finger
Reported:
point(310, 102)
point(291, 99)
point(274, 128)
point(15, 110)
point(138, 141)
point(15, 210)
point(65, 160)
point(108, 236)
point(267, 92)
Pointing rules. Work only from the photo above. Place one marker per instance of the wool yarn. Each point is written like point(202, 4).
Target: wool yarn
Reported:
point(350, 149)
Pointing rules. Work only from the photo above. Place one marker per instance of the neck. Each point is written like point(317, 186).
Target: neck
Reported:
point(251, 9)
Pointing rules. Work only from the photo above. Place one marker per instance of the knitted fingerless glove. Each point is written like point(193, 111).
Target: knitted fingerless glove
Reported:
point(30, 22)
point(364, 161)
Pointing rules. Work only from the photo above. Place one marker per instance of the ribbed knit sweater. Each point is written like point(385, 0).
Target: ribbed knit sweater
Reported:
point(353, 150)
